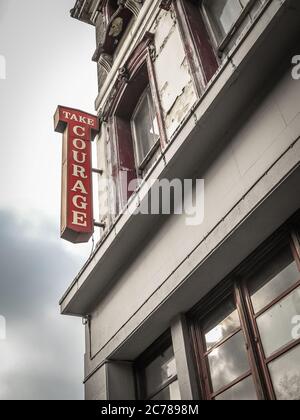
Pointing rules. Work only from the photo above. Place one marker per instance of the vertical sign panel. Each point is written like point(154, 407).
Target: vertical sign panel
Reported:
point(78, 129)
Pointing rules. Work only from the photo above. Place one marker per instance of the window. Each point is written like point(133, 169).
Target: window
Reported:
point(135, 121)
point(200, 51)
point(208, 27)
point(156, 372)
point(274, 296)
point(145, 128)
point(225, 354)
point(243, 342)
point(223, 15)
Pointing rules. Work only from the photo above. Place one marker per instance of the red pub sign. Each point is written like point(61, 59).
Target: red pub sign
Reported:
point(78, 129)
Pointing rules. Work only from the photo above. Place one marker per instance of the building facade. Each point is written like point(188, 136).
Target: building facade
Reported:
point(204, 308)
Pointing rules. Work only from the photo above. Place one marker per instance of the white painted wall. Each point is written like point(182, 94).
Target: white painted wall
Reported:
point(95, 387)
point(272, 127)
point(175, 84)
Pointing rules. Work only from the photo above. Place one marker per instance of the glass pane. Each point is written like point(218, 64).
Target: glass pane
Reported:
point(228, 362)
point(285, 373)
point(145, 126)
point(223, 14)
point(243, 391)
point(276, 326)
point(273, 279)
point(160, 371)
point(155, 128)
point(221, 323)
point(170, 393)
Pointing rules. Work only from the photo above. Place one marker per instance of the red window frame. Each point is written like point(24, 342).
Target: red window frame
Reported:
point(134, 77)
point(203, 51)
point(197, 42)
point(237, 285)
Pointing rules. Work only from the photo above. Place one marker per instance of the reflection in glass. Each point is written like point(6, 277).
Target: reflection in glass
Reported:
point(243, 391)
point(160, 371)
point(272, 280)
point(285, 373)
point(228, 362)
point(145, 126)
point(170, 393)
point(275, 325)
point(221, 323)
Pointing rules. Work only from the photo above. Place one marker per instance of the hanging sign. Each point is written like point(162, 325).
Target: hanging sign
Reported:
point(78, 129)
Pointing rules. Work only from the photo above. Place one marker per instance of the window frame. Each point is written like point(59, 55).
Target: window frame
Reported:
point(236, 284)
point(143, 163)
point(137, 73)
point(223, 44)
point(265, 361)
point(204, 380)
point(199, 48)
point(158, 347)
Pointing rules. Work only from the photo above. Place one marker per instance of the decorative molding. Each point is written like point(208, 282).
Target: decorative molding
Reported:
point(123, 75)
point(111, 19)
point(113, 24)
point(166, 4)
point(82, 11)
point(128, 72)
point(87, 10)
point(113, 27)
point(133, 5)
point(152, 52)
point(106, 61)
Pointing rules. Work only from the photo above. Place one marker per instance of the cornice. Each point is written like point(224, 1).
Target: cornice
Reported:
point(84, 10)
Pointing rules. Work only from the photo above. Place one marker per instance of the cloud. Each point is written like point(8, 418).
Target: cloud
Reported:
point(4, 4)
point(42, 357)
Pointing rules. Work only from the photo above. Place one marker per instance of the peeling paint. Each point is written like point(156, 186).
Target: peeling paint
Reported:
point(180, 108)
point(163, 29)
point(173, 74)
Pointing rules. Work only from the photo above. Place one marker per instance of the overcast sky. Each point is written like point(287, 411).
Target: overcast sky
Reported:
point(48, 62)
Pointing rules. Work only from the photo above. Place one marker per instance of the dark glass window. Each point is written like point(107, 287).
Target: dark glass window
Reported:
point(156, 372)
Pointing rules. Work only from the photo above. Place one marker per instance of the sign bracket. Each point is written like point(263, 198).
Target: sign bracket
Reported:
point(100, 225)
point(98, 171)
